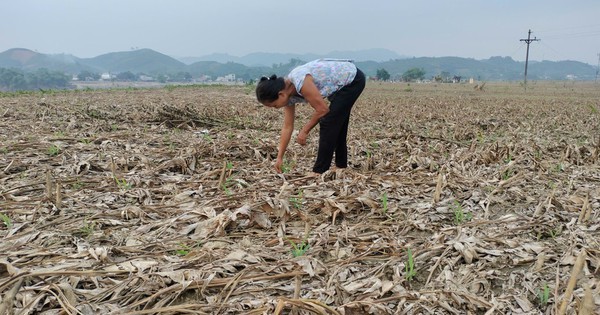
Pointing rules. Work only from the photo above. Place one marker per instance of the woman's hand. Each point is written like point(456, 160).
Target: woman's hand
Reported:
point(278, 164)
point(302, 135)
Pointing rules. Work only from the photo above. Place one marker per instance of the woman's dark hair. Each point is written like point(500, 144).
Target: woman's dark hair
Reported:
point(268, 89)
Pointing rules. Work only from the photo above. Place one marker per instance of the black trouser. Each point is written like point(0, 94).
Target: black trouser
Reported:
point(333, 127)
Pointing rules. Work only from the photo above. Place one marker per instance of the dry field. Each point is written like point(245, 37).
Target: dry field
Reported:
point(165, 201)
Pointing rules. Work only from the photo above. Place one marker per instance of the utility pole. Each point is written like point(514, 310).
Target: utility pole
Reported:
point(528, 41)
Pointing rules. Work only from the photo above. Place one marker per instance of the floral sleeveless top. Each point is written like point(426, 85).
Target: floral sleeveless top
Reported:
point(329, 75)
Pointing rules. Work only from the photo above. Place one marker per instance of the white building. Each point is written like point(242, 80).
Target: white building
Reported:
point(227, 78)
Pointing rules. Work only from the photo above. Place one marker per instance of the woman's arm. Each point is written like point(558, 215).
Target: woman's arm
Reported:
point(289, 113)
point(315, 99)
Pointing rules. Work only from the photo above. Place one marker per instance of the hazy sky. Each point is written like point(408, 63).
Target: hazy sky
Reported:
point(569, 30)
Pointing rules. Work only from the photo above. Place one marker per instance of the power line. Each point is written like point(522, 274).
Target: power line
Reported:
point(574, 35)
point(528, 41)
point(568, 28)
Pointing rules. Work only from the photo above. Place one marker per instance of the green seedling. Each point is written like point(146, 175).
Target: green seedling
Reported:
point(183, 250)
point(410, 266)
point(77, 185)
point(207, 138)
point(227, 184)
point(287, 166)
point(297, 201)
point(559, 167)
point(459, 214)
point(552, 233)
point(6, 219)
point(87, 229)
point(384, 203)
point(122, 183)
point(299, 249)
point(53, 150)
point(544, 295)
point(226, 189)
point(229, 181)
point(480, 137)
point(507, 174)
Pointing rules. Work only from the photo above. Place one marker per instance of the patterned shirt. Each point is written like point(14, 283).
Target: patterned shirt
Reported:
point(329, 75)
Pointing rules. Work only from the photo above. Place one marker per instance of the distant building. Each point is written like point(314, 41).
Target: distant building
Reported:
point(227, 78)
point(106, 76)
point(571, 77)
point(203, 78)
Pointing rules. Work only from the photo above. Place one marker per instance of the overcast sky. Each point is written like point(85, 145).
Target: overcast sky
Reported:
point(569, 30)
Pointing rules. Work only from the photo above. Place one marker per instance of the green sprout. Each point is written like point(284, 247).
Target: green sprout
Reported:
point(459, 214)
point(207, 138)
point(410, 266)
point(53, 150)
point(287, 166)
point(384, 202)
point(507, 174)
point(544, 295)
point(299, 249)
point(480, 137)
point(77, 185)
point(6, 219)
point(122, 183)
point(183, 250)
point(87, 229)
point(559, 168)
point(225, 187)
point(297, 201)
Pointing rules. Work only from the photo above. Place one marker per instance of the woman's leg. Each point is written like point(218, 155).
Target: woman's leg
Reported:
point(334, 126)
point(341, 151)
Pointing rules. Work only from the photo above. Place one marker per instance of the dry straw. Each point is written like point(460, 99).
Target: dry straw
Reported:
point(169, 203)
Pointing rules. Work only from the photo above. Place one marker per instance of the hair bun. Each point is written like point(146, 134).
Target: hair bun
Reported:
point(264, 79)
point(273, 77)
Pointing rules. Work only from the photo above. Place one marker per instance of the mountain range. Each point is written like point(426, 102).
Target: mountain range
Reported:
point(252, 66)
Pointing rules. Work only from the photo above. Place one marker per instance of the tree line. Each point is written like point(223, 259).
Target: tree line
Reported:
point(409, 75)
point(15, 80)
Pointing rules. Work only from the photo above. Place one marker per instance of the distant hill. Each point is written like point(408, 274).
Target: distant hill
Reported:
point(29, 60)
point(142, 60)
point(268, 59)
point(254, 65)
point(492, 69)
